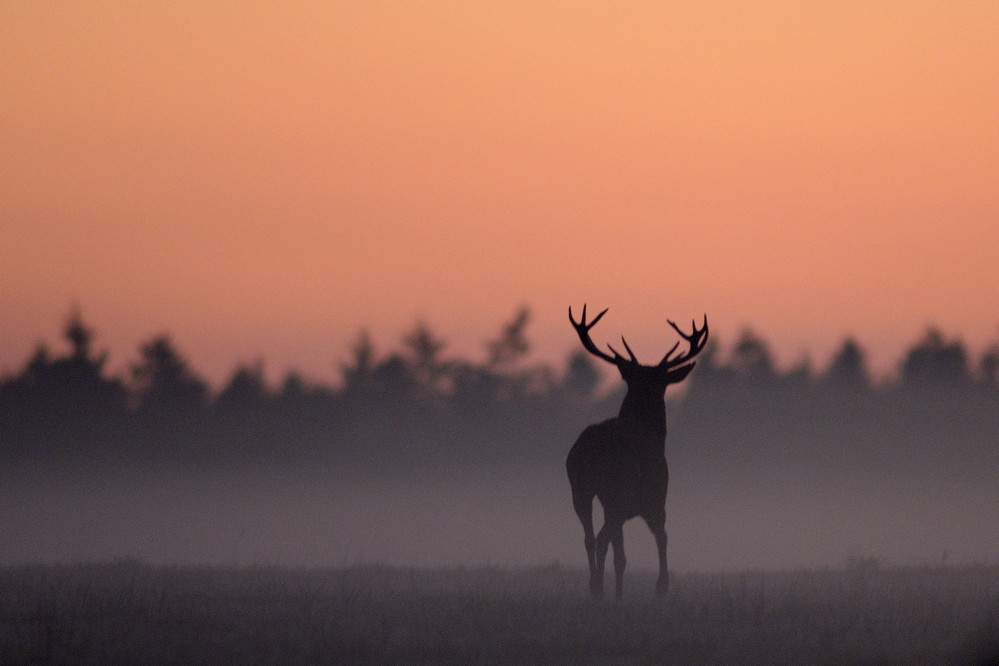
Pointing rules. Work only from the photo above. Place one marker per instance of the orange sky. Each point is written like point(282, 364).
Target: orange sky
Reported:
point(263, 179)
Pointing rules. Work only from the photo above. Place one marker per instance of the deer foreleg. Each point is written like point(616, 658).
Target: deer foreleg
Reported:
point(657, 525)
point(617, 540)
point(603, 542)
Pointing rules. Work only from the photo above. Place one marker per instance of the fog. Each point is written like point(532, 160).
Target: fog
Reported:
point(421, 460)
point(314, 519)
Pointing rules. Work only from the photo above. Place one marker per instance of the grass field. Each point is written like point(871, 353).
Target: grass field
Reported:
point(129, 612)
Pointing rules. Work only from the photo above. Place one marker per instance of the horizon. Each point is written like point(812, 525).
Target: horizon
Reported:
point(879, 369)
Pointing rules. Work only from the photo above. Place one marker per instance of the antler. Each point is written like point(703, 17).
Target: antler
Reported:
point(697, 339)
point(583, 330)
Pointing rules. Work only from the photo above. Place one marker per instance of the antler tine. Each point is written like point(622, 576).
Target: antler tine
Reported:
point(573, 319)
point(697, 339)
point(582, 319)
point(583, 330)
point(630, 353)
point(665, 360)
point(595, 319)
point(677, 329)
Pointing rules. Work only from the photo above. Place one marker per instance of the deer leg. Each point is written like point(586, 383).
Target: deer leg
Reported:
point(584, 509)
point(617, 541)
point(657, 524)
point(603, 541)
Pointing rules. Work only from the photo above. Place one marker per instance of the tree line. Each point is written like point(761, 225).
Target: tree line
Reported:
point(417, 407)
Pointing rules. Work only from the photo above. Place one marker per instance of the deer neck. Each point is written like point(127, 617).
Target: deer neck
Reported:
point(650, 411)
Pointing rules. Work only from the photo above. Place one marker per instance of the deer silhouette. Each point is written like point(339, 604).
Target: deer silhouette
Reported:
point(622, 461)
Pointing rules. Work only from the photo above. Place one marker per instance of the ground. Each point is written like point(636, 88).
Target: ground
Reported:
point(129, 612)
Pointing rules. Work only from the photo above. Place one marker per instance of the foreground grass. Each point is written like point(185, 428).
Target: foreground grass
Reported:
point(132, 613)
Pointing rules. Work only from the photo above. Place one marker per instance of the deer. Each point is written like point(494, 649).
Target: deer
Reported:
point(622, 461)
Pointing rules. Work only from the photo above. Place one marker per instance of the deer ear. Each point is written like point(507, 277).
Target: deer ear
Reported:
point(678, 375)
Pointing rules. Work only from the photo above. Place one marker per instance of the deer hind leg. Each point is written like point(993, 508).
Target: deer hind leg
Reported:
point(657, 524)
point(597, 579)
point(617, 541)
point(583, 504)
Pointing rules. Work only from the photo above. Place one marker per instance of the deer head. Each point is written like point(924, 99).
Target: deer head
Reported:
point(669, 370)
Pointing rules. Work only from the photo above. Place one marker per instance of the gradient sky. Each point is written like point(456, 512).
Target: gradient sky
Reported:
point(261, 180)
